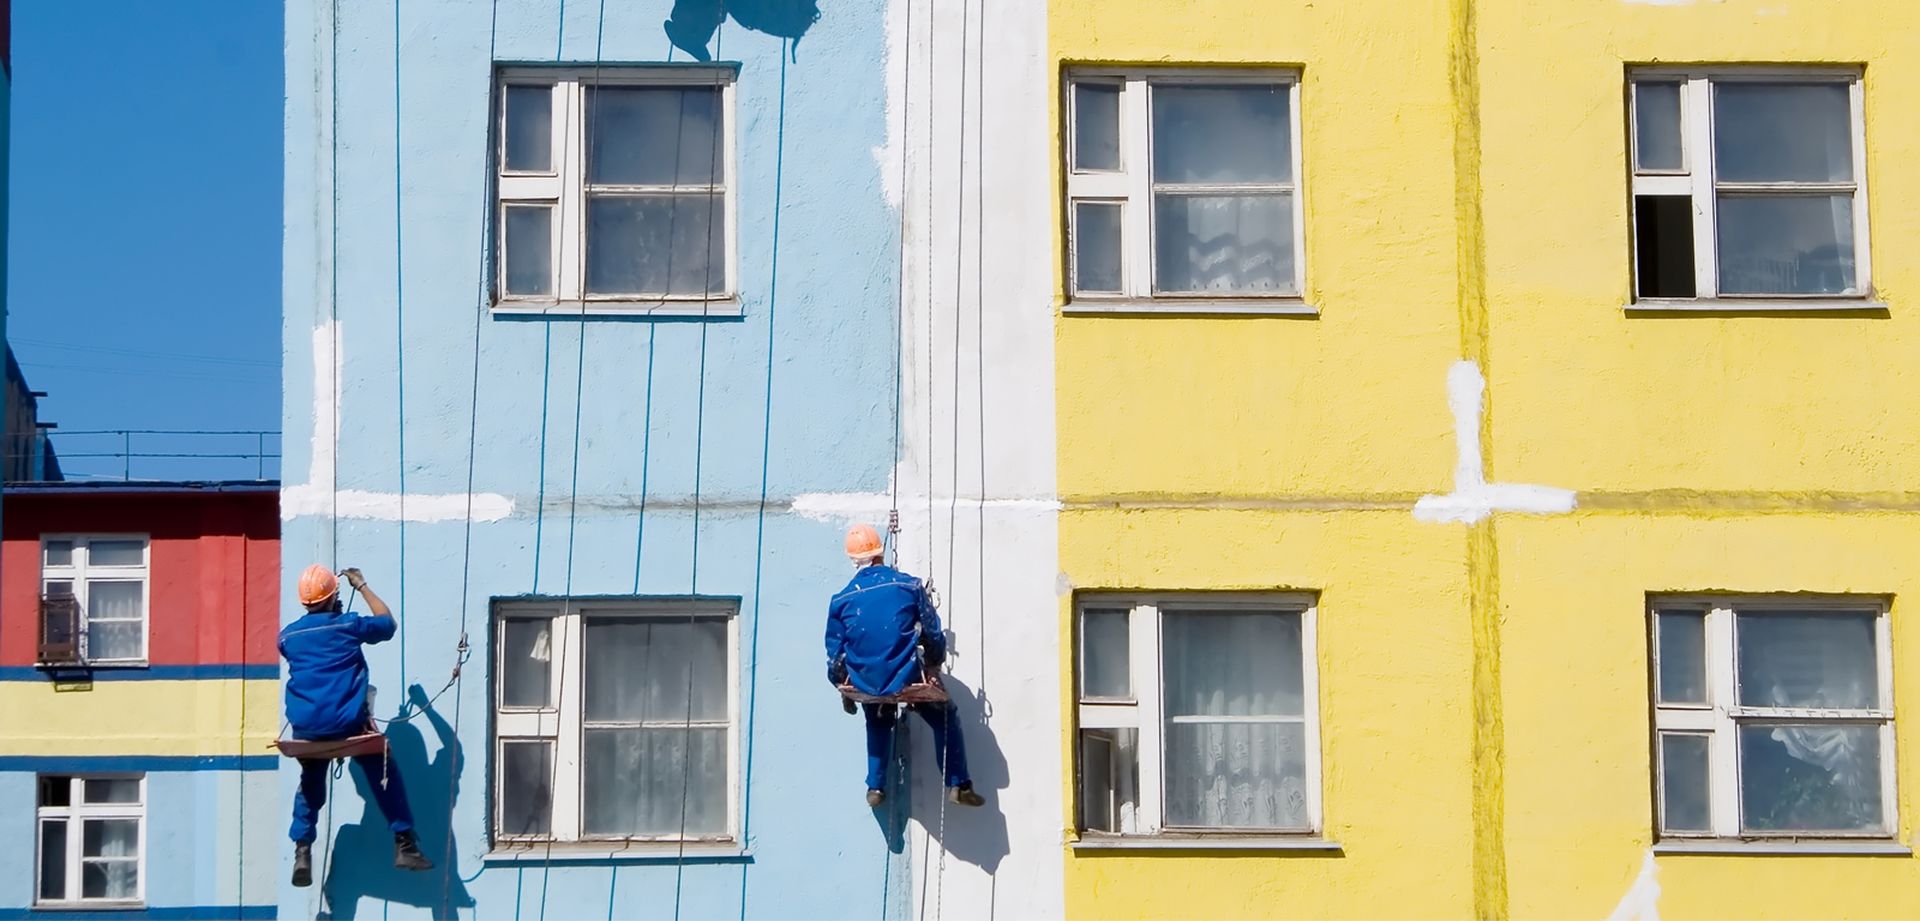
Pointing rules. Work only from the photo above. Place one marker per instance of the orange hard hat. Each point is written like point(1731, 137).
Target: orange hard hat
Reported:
point(863, 543)
point(317, 584)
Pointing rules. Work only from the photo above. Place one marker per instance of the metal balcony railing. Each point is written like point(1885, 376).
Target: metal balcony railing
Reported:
point(60, 638)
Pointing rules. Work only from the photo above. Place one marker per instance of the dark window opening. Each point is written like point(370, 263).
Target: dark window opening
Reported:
point(1663, 250)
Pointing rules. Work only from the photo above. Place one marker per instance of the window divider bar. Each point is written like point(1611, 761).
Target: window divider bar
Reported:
point(1136, 158)
point(1723, 765)
point(1143, 624)
point(1697, 149)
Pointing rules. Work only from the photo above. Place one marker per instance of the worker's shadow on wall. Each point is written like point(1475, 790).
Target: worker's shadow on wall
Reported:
point(361, 865)
point(692, 24)
point(977, 835)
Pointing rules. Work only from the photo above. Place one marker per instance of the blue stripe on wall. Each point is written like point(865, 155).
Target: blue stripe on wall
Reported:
point(230, 672)
point(160, 912)
point(75, 764)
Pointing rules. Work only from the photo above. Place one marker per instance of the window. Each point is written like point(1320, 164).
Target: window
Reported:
point(613, 188)
point(107, 578)
point(92, 836)
point(1748, 185)
point(1773, 718)
point(1196, 715)
point(615, 721)
point(1183, 186)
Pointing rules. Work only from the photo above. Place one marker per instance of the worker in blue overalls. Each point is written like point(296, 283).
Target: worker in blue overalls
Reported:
point(883, 634)
point(327, 700)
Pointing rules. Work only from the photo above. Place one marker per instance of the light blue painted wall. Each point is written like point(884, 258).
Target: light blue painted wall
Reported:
point(816, 847)
point(195, 853)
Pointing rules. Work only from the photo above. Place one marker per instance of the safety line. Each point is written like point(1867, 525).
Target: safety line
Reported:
point(718, 128)
point(316, 900)
point(553, 770)
point(766, 457)
point(900, 302)
point(449, 863)
point(400, 346)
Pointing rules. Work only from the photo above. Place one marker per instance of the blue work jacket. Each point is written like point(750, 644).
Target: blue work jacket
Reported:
point(873, 626)
point(326, 672)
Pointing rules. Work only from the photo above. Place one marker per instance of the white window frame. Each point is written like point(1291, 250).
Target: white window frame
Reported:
point(1144, 712)
point(1721, 715)
point(564, 187)
point(82, 570)
point(1696, 180)
point(1131, 187)
point(76, 812)
point(562, 720)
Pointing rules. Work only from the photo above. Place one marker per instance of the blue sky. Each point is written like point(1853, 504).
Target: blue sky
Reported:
point(144, 241)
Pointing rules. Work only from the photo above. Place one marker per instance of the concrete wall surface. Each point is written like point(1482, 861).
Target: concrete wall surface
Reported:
point(482, 455)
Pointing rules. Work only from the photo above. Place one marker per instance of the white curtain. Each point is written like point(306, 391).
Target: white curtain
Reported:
point(114, 619)
point(670, 676)
point(1235, 733)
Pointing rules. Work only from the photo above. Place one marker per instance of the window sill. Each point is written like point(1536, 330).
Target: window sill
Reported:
point(98, 905)
point(1190, 307)
point(613, 852)
point(1307, 843)
point(1849, 306)
point(1782, 846)
point(720, 309)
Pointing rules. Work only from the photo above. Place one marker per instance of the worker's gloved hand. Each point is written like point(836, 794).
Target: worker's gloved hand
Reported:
point(836, 674)
point(846, 703)
point(354, 578)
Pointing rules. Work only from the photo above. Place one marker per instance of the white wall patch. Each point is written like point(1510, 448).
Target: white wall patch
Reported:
point(1473, 498)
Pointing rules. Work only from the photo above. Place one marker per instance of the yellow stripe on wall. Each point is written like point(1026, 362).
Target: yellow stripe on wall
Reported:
point(139, 717)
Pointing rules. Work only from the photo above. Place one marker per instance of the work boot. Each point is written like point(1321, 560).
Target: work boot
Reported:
point(302, 864)
point(406, 853)
point(876, 797)
point(964, 795)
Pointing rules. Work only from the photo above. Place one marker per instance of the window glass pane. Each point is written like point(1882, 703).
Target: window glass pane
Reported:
point(526, 787)
point(1096, 126)
point(529, 250)
point(113, 639)
point(1236, 775)
point(112, 599)
point(1223, 244)
point(113, 790)
point(653, 135)
point(1686, 805)
point(56, 790)
point(634, 780)
point(1683, 657)
point(1656, 126)
point(1786, 244)
point(641, 669)
point(53, 859)
point(657, 244)
point(1663, 251)
point(59, 553)
point(114, 620)
point(110, 879)
point(117, 553)
point(58, 587)
point(1808, 659)
point(530, 128)
point(1096, 247)
point(1103, 654)
point(110, 838)
point(1239, 663)
point(1225, 133)
point(526, 658)
point(1109, 777)
point(1810, 778)
point(1781, 132)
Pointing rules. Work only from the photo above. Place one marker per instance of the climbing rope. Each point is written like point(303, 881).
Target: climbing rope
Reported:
point(399, 340)
point(553, 770)
point(766, 457)
point(449, 864)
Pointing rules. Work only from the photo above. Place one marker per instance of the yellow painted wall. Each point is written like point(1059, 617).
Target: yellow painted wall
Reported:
point(139, 718)
point(1484, 688)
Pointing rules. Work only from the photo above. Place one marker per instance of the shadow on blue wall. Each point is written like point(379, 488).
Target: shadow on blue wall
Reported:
point(692, 23)
point(361, 864)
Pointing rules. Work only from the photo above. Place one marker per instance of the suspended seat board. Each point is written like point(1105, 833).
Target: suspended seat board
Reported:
point(366, 743)
point(928, 690)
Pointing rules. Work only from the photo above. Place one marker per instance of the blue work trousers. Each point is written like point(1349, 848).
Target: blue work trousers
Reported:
point(949, 749)
point(383, 776)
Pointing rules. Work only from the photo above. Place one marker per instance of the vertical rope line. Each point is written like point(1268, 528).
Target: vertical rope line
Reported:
point(766, 458)
point(980, 348)
point(927, 224)
point(900, 303)
point(400, 343)
point(553, 764)
point(333, 282)
point(240, 838)
point(718, 125)
point(448, 864)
